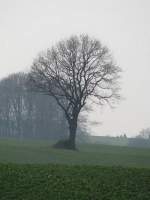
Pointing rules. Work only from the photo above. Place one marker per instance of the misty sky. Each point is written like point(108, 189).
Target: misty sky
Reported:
point(30, 26)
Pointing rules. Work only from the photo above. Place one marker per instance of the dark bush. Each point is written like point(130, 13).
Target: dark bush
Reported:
point(63, 144)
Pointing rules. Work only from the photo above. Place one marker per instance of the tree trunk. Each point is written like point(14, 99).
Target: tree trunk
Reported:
point(70, 143)
point(72, 134)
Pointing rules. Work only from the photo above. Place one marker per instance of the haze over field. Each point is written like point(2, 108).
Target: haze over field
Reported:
point(28, 27)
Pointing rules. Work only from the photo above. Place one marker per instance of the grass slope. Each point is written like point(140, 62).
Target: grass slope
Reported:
point(41, 152)
point(61, 182)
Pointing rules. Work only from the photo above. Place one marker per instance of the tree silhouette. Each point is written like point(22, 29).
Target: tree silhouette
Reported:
point(74, 71)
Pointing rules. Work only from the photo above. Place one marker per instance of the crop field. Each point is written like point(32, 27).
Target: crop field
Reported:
point(33, 170)
point(62, 182)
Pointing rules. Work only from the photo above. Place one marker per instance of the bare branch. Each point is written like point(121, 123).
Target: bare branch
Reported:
point(75, 70)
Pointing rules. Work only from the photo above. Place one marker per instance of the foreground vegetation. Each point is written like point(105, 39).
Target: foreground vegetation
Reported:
point(62, 182)
point(41, 152)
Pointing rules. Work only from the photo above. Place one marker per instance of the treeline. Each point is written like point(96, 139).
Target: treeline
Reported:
point(142, 139)
point(139, 141)
point(27, 114)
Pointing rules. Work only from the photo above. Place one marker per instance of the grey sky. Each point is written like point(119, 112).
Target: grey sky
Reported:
point(30, 26)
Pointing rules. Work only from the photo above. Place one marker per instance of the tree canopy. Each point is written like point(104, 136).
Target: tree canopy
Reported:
point(74, 71)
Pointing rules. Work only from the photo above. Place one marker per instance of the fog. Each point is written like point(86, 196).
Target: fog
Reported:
point(28, 27)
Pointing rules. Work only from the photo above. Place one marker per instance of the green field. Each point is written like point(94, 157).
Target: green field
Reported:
point(41, 151)
point(60, 182)
point(33, 170)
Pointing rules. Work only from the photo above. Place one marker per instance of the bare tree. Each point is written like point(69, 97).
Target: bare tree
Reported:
point(26, 114)
point(74, 71)
point(144, 133)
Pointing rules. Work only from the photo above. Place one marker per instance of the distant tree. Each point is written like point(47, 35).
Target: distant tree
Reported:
point(25, 114)
point(142, 139)
point(144, 133)
point(74, 71)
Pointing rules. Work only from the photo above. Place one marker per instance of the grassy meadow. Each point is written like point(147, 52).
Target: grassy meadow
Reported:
point(33, 170)
point(41, 152)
